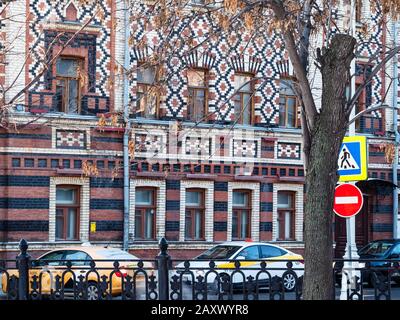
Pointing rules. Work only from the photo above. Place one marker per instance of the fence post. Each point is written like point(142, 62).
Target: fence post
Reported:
point(163, 264)
point(23, 270)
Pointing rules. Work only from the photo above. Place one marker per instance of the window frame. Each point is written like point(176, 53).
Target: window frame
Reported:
point(204, 88)
point(143, 209)
point(239, 211)
point(297, 122)
point(281, 217)
point(64, 100)
point(192, 210)
point(145, 94)
point(64, 208)
point(241, 94)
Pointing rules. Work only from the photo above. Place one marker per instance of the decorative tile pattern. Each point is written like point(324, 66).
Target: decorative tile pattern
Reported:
point(289, 150)
point(198, 146)
point(69, 139)
point(245, 148)
point(148, 143)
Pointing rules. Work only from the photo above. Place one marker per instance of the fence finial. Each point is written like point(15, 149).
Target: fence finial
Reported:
point(23, 246)
point(163, 245)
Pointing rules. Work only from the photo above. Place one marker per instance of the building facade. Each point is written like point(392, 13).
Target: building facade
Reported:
point(215, 155)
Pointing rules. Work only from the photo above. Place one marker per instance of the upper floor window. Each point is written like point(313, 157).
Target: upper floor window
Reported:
point(287, 105)
point(68, 91)
point(145, 213)
point(241, 213)
point(197, 91)
point(67, 213)
point(286, 215)
point(243, 99)
point(194, 215)
point(358, 6)
point(147, 96)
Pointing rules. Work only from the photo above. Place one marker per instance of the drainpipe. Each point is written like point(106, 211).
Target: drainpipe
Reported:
point(127, 127)
point(396, 133)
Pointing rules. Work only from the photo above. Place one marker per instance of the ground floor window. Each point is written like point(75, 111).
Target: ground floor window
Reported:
point(286, 215)
point(67, 212)
point(145, 213)
point(194, 214)
point(241, 214)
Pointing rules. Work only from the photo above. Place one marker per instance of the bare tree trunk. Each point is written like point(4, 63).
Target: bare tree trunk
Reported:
point(326, 138)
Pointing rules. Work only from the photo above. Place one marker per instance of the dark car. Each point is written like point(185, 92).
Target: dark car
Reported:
point(376, 254)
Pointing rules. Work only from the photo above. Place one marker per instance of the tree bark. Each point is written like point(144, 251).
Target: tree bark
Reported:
point(326, 138)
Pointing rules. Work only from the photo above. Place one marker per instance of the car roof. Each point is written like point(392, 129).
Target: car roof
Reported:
point(248, 244)
point(93, 251)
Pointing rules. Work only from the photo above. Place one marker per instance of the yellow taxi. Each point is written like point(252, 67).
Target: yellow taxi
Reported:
point(54, 263)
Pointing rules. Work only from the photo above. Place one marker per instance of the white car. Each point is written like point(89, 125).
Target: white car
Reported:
point(224, 255)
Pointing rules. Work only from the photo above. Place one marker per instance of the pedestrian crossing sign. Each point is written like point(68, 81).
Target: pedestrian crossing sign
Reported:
point(352, 162)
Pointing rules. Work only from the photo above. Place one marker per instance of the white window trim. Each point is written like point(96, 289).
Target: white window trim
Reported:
point(84, 211)
point(299, 209)
point(255, 207)
point(160, 211)
point(208, 187)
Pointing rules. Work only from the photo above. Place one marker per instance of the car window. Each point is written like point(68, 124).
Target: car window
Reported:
point(249, 253)
point(218, 252)
point(116, 254)
point(271, 252)
point(376, 248)
point(83, 257)
point(47, 259)
point(396, 249)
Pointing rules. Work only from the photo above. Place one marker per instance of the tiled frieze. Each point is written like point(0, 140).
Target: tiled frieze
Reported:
point(289, 150)
point(198, 146)
point(68, 139)
point(244, 148)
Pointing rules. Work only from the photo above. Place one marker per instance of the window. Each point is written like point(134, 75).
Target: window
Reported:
point(358, 4)
point(147, 97)
point(78, 255)
point(194, 215)
point(270, 252)
point(287, 105)
point(249, 253)
point(286, 215)
point(67, 213)
point(52, 259)
point(145, 214)
point(198, 92)
point(243, 99)
point(68, 85)
point(241, 215)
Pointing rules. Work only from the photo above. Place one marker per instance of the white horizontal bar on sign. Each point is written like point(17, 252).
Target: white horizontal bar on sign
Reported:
point(346, 200)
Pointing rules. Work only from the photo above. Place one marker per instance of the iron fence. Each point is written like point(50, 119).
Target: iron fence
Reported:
point(166, 279)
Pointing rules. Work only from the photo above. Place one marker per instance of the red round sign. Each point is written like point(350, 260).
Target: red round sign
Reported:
point(348, 200)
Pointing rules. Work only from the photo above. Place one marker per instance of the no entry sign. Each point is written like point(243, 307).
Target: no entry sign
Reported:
point(348, 200)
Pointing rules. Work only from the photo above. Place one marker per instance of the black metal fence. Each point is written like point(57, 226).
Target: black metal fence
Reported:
point(167, 279)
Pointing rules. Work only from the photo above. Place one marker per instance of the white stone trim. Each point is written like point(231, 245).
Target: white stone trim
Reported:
point(255, 205)
point(208, 186)
point(160, 213)
point(84, 212)
point(299, 208)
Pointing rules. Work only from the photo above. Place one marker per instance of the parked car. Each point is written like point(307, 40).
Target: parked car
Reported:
point(53, 263)
point(385, 249)
point(224, 255)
